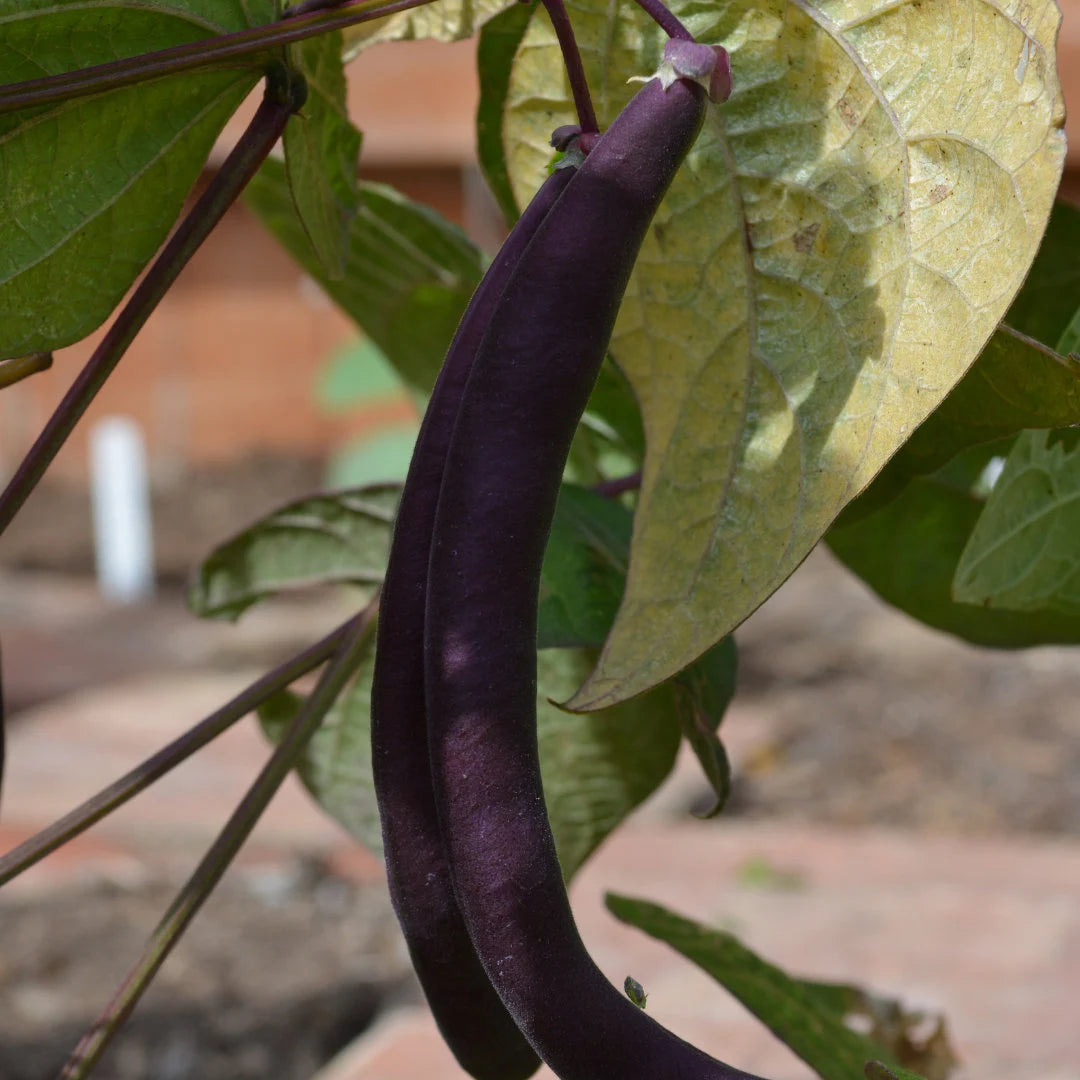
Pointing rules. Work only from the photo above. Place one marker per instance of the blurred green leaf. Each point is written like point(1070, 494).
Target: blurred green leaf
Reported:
point(599, 766)
point(382, 456)
point(321, 152)
point(497, 46)
point(316, 540)
point(408, 276)
point(1049, 299)
point(1016, 383)
point(92, 186)
point(809, 1017)
point(335, 766)
point(703, 691)
point(357, 374)
point(908, 551)
point(1023, 554)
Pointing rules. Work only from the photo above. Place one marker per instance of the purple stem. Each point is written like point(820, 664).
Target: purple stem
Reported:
point(168, 757)
point(662, 15)
point(611, 489)
point(231, 179)
point(208, 52)
point(351, 647)
point(556, 10)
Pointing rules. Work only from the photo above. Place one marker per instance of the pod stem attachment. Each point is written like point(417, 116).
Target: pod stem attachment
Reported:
point(239, 167)
point(579, 86)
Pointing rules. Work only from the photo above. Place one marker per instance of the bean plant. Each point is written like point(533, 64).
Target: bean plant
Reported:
point(777, 273)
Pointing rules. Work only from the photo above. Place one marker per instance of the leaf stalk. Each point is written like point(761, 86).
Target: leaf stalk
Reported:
point(231, 179)
point(210, 52)
point(355, 641)
point(157, 765)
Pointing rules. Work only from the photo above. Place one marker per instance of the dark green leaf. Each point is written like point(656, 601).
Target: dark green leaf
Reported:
point(599, 766)
point(875, 1070)
point(584, 569)
point(499, 40)
point(321, 151)
point(335, 766)
point(702, 694)
point(92, 186)
point(311, 541)
point(805, 1020)
point(1050, 297)
point(908, 551)
point(408, 276)
point(1023, 555)
point(1016, 383)
point(596, 768)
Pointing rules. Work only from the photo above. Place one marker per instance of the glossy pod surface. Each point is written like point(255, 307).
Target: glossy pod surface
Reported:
point(527, 389)
point(470, 1015)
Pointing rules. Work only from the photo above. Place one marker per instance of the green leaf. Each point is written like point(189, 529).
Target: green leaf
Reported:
point(448, 20)
point(597, 768)
point(875, 1070)
point(92, 186)
point(1023, 553)
point(806, 1016)
point(408, 276)
point(335, 766)
point(584, 569)
point(356, 375)
point(1016, 383)
point(381, 456)
point(498, 43)
point(311, 541)
point(703, 691)
point(1050, 298)
point(321, 152)
point(908, 553)
point(843, 240)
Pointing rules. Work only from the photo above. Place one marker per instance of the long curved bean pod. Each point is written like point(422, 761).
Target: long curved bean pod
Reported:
point(526, 392)
point(472, 1018)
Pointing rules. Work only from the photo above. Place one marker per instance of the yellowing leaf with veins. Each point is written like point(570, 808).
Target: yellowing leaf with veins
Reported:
point(444, 20)
point(843, 239)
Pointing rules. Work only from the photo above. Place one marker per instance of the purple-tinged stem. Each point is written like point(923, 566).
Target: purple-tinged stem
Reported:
point(157, 765)
point(579, 86)
point(354, 643)
point(662, 15)
point(612, 489)
point(231, 179)
point(209, 52)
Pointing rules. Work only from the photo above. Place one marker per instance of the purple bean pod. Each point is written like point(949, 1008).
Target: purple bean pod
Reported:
point(528, 386)
point(472, 1018)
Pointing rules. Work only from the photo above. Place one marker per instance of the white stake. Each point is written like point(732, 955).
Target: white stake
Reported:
point(120, 499)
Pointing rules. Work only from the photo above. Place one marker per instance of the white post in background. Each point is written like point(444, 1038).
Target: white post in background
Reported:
point(120, 500)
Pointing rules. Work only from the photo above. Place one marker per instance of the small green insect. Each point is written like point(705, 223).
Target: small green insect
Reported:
point(635, 991)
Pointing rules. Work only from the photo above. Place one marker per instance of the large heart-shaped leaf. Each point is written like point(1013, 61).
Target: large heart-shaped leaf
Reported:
point(408, 273)
point(92, 186)
point(843, 240)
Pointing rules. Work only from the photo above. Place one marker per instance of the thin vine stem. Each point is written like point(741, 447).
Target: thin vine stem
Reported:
point(579, 85)
point(612, 489)
point(665, 18)
point(198, 54)
point(231, 179)
point(214, 863)
point(157, 765)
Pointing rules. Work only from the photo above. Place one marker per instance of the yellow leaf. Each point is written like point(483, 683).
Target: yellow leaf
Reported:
point(844, 238)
